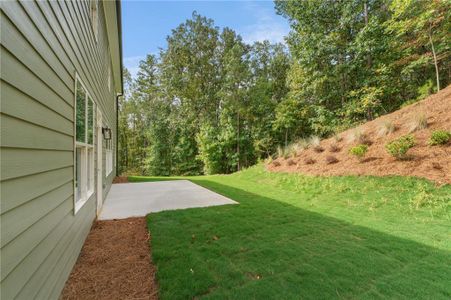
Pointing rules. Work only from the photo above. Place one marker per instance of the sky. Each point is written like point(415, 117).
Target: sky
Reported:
point(147, 23)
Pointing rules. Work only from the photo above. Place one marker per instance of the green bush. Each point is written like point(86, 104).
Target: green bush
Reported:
point(398, 148)
point(359, 151)
point(440, 137)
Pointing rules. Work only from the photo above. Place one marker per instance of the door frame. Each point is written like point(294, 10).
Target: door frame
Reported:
point(99, 167)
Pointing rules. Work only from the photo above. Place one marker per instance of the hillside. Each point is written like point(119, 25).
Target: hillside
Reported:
point(431, 162)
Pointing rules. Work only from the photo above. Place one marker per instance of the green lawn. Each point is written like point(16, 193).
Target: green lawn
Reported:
point(299, 237)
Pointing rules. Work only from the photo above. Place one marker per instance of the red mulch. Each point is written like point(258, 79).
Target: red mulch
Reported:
point(431, 162)
point(115, 263)
point(120, 179)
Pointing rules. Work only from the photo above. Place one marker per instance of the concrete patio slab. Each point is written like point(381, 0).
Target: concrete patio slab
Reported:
point(138, 199)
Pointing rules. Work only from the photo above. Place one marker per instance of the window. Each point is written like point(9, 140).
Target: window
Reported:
point(84, 145)
point(94, 14)
point(108, 158)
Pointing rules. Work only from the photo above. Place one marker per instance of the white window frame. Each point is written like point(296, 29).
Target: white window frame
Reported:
point(109, 158)
point(87, 152)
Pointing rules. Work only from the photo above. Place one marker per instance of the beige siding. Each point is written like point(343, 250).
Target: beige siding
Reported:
point(43, 45)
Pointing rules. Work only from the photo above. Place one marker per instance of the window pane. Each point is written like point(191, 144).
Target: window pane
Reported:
point(90, 169)
point(78, 174)
point(90, 121)
point(81, 114)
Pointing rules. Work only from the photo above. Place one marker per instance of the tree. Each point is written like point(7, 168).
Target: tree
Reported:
point(234, 84)
point(189, 76)
point(422, 29)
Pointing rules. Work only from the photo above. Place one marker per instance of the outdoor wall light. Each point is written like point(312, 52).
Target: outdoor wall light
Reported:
point(106, 133)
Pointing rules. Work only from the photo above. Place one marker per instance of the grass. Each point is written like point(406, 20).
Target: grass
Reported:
point(296, 236)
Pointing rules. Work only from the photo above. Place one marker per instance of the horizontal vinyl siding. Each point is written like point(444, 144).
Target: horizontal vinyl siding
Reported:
point(43, 45)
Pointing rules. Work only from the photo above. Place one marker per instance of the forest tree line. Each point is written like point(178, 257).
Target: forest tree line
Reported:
point(210, 103)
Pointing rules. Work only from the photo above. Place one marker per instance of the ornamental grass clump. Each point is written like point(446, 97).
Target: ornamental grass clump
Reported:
point(304, 144)
point(334, 148)
point(360, 137)
point(309, 161)
point(290, 162)
point(419, 122)
point(315, 142)
point(330, 159)
point(280, 152)
point(338, 138)
point(385, 128)
point(359, 151)
point(398, 148)
point(439, 137)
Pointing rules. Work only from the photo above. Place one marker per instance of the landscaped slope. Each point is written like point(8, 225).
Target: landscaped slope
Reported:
point(331, 156)
point(295, 236)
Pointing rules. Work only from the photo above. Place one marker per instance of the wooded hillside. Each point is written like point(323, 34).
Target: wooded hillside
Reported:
point(210, 103)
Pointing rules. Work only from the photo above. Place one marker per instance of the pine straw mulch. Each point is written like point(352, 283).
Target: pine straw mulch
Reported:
point(115, 263)
point(431, 162)
point(120, 179)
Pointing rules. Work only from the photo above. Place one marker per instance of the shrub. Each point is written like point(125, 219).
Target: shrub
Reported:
point(276, 163)
point(398, 148)
point(331, 159)
point(309, 161)
point(359, 151)
point(439, 137)
point(386, 127)
point(419, 122)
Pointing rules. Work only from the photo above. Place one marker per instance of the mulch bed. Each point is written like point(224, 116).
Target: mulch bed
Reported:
point(115, 263)
point(120, 179)
point(433, 163)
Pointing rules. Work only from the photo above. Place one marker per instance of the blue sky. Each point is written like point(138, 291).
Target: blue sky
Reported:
point(145, 24)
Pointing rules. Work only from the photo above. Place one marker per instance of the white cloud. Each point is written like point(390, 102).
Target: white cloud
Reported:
point(268, 26)
point(132, 64)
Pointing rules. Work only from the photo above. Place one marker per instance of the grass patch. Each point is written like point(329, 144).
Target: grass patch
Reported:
point(296, 236)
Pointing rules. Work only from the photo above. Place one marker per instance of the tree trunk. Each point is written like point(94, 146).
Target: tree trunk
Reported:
point(435, 60)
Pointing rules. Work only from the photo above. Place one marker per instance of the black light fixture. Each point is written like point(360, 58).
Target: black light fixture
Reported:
point(106, 133)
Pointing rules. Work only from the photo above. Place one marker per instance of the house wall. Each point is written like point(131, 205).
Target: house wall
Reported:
point(43, 45)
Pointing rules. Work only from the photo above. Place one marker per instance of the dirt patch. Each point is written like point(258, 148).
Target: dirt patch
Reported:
point(115, 263)
point(431, 162)
point(120, 179)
